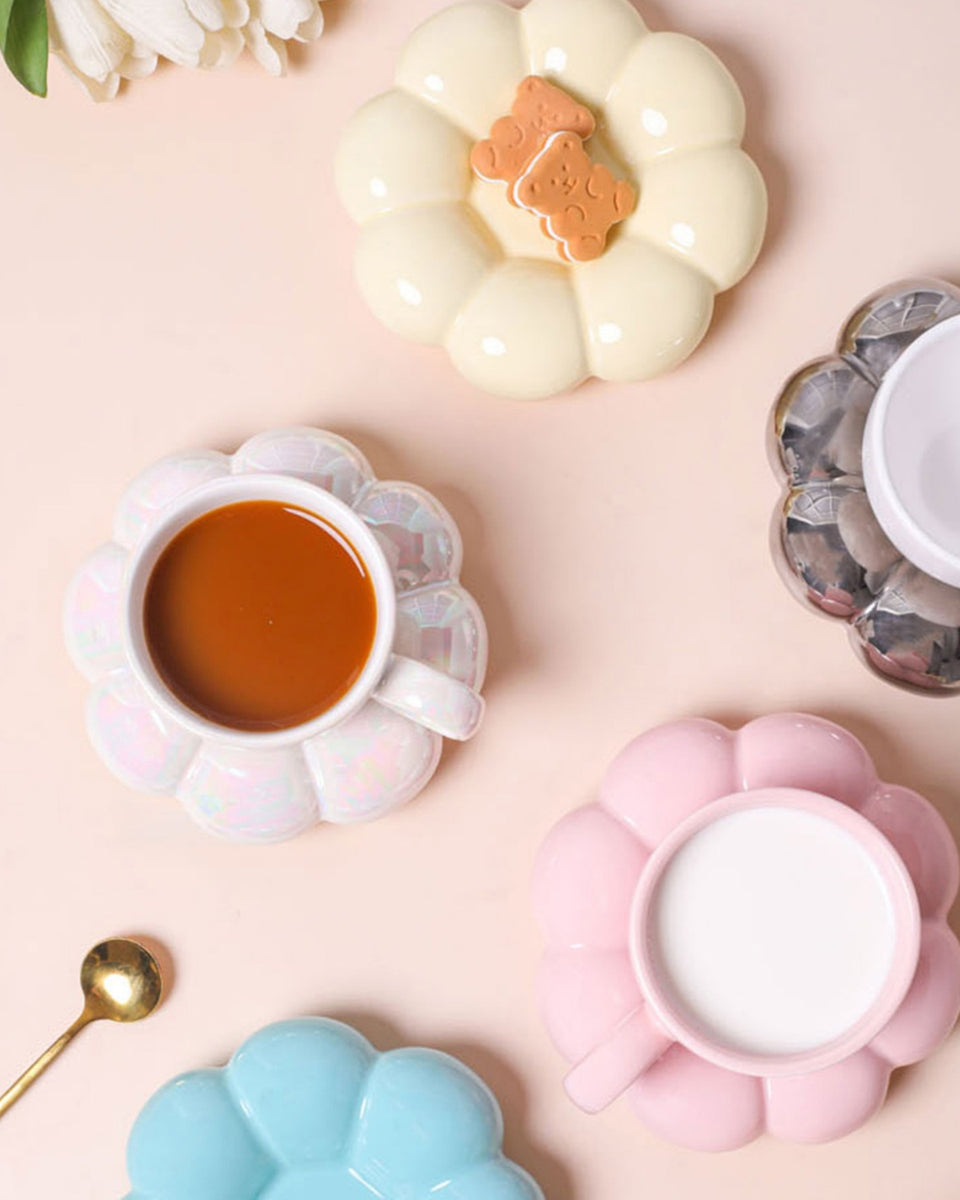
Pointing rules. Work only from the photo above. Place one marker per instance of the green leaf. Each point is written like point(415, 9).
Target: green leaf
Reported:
point(24, 42)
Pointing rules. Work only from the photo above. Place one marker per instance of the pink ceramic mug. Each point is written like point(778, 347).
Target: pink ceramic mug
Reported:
point(773, 933)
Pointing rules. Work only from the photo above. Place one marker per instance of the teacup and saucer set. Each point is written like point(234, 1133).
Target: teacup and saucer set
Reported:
point(264, 694)
point(747, 932)
point(867, 444)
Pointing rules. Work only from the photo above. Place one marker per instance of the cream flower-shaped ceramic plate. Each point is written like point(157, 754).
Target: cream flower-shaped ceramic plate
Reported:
point(364, 765)
point(444, 258)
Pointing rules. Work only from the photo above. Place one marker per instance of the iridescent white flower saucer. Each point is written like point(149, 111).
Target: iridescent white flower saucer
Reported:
point(265, 787)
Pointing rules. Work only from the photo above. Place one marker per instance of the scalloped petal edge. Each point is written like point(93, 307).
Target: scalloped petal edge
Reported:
point(581, 897)
point(283, 793)
point(904, 646)
point(313, 1096)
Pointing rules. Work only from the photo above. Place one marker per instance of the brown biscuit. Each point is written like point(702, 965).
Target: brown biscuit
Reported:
point(578, 200)
point(540, 108)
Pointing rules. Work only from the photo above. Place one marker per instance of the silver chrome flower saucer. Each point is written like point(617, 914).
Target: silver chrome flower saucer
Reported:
point(832, 546)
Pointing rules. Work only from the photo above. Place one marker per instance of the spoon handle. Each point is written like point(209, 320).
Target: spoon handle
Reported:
point(33, 1072)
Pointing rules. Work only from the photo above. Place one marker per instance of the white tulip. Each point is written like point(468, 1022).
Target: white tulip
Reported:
point(105, 41)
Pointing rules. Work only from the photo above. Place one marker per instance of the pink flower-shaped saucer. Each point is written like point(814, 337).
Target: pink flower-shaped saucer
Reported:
point(589, 877)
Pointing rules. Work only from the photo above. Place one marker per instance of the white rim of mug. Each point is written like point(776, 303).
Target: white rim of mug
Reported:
point(896, 520)
point(235, 489)
point(904, 905)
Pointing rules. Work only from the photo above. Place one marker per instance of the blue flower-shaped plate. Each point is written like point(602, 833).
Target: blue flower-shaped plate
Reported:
point(308, 1110)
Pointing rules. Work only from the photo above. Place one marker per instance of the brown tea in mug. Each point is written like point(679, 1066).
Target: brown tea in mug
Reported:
point(259, 615)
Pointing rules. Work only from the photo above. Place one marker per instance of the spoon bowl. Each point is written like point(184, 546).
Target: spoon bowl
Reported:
point(120, 981)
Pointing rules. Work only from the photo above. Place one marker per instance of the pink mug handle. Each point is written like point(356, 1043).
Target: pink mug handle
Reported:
point(610, 1068)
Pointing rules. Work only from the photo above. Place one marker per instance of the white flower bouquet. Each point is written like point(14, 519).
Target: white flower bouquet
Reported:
point(105, 41)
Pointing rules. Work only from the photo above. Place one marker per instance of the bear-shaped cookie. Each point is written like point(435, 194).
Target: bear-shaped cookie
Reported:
point(578, 200)
point(540, 108)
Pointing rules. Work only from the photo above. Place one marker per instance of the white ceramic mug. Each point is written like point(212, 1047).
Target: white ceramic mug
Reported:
point(911, 453)
point(425, 695)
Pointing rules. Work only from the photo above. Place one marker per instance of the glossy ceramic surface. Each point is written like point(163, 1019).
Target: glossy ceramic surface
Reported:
point(911, 453)
point(244, 299)
point(900, 901)
point(592, 868)
point(446, 260)
point(834, 553)
point(308, 1109)
point(270, 787)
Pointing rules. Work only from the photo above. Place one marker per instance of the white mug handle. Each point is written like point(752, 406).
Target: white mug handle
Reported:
point(610, 1068)
point(427, 696)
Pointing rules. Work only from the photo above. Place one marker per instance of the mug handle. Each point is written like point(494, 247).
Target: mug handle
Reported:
point(431, 698)
point(610, 1068)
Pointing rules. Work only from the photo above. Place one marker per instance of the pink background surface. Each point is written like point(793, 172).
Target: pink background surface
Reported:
point(176, 272)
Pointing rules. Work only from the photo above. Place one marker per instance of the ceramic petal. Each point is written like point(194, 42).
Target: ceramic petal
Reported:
point(424, 1120)
point(709, 207)
point(92, 612)
point(664, 775)
point(584, 995)
point(498, 341)
point(250, 795)
point(673, 95)
point(911, 631)
point(373, 762)
point(581, 46)
point(828, 1104)
point(416, 267)
point(819, 422)
point(329, 461)
point(216, 1158)
point(886, 324)
point(307, 1108)
point(140, 745)
point(631, 334)
point(495, 1179)
point(301, 1083)
point(467, 60)
point(931, 1006)
point(834, 548)
point(417, 534)
point(584, 880)
point(793, 750)
point(693, 1103)
point(443, 627)
point(149, 494)
point(923, 840)
point(399, 151)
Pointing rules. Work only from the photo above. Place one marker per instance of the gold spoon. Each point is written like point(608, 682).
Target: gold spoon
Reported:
point(121, 982)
